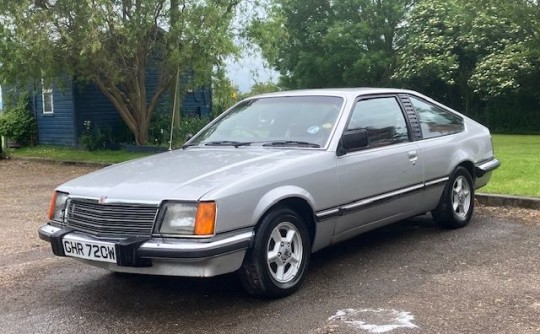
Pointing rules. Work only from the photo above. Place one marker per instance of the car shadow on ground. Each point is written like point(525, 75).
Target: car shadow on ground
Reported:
point(127, 295)
point(404, 231)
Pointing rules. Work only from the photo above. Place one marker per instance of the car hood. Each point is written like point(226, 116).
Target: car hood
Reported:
point(182, 174)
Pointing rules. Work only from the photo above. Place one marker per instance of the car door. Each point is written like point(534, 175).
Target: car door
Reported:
point(382, 182)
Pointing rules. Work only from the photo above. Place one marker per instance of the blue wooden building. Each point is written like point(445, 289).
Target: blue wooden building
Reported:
point(62, 111)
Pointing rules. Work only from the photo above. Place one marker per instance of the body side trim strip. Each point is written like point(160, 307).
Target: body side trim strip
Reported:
point(359, 204)
point(436, 181)
point(326, 214)
point(370, 200)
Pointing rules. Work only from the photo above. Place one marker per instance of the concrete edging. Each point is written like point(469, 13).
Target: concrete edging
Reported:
point(62, 162)
point(508, 200)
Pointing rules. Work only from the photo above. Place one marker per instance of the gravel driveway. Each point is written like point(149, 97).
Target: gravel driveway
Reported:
point(411, 277)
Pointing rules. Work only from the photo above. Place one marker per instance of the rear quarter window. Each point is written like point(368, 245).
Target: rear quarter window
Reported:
point(435, 121)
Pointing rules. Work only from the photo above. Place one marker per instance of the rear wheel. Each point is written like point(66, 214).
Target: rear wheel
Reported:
point(276, 265)
point(457, 202)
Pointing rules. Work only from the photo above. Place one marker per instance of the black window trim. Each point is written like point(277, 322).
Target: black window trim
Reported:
point(415, 129)
point(375, 96)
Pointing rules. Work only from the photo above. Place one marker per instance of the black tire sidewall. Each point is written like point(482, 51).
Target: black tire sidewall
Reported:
point(273, 219)
point(448, 217)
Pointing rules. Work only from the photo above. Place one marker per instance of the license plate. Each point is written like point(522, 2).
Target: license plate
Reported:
point(89, 250)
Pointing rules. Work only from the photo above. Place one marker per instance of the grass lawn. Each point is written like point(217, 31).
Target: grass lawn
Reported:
point(519, 173)
point(69, 154)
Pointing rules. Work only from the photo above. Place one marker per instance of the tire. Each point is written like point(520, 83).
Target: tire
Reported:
point(276, 265)
point(456, 206)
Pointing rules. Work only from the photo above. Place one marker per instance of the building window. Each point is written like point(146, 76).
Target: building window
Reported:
point(47, 97)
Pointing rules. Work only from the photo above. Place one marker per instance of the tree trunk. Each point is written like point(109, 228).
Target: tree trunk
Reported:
point(131, 103)
point(142, 135)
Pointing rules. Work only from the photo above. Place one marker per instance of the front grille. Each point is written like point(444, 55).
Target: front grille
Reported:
point(111, 220)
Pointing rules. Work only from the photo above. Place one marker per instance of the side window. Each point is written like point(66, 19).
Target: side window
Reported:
point(383, 120)
point(435, 121)
point(47, 97)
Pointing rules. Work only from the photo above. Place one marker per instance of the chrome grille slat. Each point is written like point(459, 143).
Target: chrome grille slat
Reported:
point(125, 209)
point(111, 219)
point(105, 228)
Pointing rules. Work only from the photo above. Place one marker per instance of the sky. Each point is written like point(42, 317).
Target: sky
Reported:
point(248, 70)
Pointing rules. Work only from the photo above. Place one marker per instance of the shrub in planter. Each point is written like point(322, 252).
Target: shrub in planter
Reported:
point(17, 122)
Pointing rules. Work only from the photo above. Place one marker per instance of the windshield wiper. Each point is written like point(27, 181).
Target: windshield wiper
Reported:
point(228, 143)
point(291, 143)
point(188, 145)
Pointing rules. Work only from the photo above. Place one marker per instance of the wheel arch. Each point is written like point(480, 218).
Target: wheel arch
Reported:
point(469, 166)
point(295, 198)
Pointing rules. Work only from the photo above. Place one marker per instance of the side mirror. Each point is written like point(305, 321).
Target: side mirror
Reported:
point(188, 137)
point(354, 139)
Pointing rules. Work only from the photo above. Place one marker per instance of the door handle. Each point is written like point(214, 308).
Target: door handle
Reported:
point(412, 157)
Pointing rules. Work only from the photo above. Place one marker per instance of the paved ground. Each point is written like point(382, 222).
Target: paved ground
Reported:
point(407, 278)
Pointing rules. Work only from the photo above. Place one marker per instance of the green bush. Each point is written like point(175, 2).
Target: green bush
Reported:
point(17, 122)
point(95, 138)
point(160, 129)
point(188, 126)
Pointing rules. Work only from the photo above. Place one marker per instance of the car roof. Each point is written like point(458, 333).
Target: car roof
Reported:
point(351, 94)
point(343, 92)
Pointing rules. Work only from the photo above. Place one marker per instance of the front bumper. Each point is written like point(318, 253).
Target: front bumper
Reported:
point(163, 256)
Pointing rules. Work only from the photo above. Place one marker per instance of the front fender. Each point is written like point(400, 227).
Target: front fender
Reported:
point(276, 195)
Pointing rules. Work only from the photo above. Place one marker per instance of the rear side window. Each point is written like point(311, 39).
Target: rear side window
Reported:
point(383, 120)
point(435, 121)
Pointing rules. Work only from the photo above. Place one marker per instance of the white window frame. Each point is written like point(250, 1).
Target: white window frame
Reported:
point(47, 90)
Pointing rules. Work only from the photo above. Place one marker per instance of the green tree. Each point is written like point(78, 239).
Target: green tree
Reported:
point(327, 43)
point(112, 43)
point(463, 51)
point(224, 93)
point(526, 14)
point(262, 88)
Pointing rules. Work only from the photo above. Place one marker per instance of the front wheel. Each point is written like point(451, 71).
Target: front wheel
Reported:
point(457, 202)
point(276, 265)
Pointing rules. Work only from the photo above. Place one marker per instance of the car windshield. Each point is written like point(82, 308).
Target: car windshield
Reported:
point(303, 121)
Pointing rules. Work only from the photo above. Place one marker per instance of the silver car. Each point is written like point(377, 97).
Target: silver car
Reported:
point(272, 180)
